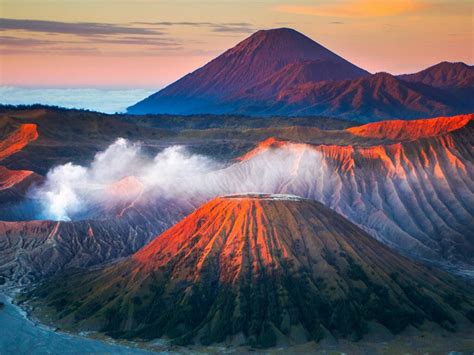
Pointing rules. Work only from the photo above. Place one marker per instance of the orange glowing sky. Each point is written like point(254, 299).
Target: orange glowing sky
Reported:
point(150, 43)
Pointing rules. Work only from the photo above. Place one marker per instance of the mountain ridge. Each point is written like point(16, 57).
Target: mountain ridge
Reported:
point(283, 72)
point(443, 74)
point(372, 98)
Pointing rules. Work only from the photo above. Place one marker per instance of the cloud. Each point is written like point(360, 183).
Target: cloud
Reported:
point(139, 41)
point(101, 39)
point(170, 23)
point(72, 191)
point(86, 29)
point(356, 8)
point(12, 45)
point(22, 42)
point(124, 175)
point(235, 27)
point(84, 38)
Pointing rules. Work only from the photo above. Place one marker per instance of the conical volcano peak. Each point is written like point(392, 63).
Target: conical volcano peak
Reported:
point(282, 31)
point(281, 46)
point(284, 35)
point(245, 232)
point(277, 34)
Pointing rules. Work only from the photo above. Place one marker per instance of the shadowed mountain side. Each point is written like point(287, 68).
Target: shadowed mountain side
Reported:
point(261, 270)
point(443, 75)
point(372, 98)
point(34, 250)
point(14, 186)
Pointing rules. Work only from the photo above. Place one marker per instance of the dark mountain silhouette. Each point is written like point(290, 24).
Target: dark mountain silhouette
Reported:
point(259, 270)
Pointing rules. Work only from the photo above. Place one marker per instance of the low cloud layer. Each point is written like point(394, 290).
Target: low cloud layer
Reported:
point(86, 29)
point(102, 100)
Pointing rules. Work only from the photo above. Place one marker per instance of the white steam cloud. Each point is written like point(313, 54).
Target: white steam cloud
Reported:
point(121, 173)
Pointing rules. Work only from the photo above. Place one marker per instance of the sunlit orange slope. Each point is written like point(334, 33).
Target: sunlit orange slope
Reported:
point(17, 140)
point(395, 144)
point(13, 143)
point(9, 178)
point(400, 130)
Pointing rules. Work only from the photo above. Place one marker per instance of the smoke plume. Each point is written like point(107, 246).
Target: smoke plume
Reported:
point(122, 172)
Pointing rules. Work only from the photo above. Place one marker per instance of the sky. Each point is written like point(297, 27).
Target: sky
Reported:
point(147, 44)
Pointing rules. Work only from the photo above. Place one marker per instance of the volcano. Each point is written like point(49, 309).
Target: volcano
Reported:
point(261, 270)
point(276, 58)
point(282, 72)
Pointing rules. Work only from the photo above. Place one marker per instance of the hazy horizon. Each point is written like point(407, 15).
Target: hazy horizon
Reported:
point(106, 100)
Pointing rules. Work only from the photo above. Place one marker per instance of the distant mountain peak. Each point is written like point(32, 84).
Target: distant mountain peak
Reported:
point(249, 63)
point(443, 75)
point(448, 65)
point(280, 46)
point(276, 34)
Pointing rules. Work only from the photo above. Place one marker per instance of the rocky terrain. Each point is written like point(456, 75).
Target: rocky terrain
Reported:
point(407, 183)
point(33, 250)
